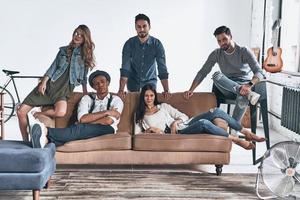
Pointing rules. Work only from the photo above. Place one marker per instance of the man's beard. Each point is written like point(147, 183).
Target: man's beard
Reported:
point(225, 47)
point(143, 34)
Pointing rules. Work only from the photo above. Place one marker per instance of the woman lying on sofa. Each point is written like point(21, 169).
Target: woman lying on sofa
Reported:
point(154, 117)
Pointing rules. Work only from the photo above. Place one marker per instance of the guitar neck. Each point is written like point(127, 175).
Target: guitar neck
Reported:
point(275, 40)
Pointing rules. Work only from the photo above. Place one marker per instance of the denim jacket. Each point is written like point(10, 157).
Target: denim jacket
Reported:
point(78, 72)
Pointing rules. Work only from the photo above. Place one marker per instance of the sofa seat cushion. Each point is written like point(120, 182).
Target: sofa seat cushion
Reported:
point(118, 141)
point(181, 142)
point(18, 157)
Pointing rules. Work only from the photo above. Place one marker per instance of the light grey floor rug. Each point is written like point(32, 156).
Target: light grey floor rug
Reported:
point(143, 185)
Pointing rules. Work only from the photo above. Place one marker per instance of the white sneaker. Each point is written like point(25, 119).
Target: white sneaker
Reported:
point(35, 109)
point(39, 135)
point(31, 120)
point(253, 97)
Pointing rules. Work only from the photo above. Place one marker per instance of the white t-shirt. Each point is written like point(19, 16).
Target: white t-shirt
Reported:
point(165, 115)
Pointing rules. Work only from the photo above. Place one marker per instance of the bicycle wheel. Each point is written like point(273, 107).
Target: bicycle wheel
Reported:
point(9, 104)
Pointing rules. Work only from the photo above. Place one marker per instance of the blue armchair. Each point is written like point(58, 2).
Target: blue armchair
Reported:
point(25, 168)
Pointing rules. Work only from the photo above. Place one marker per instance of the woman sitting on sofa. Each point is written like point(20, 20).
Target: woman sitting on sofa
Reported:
point(154, 117)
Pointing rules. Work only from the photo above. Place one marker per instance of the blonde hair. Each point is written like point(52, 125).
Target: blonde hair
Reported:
point(87, 47)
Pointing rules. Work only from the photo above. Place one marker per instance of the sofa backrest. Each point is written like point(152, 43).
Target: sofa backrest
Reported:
point(198, 103)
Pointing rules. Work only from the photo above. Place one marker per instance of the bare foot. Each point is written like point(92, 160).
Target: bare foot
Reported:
point(251, 136)
point(242, 143)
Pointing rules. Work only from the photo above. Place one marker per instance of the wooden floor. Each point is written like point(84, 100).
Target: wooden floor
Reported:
point(142, 185)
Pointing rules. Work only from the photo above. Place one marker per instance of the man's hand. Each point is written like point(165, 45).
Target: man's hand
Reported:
point(245, 90)
point(166, 94)
point(154, 130)
point(121, 94)
point(113, 112)
point(188, 94)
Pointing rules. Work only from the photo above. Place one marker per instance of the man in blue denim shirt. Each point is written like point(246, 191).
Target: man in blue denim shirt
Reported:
point(141, 54)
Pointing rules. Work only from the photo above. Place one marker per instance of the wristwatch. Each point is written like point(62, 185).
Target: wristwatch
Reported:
point(250, 83)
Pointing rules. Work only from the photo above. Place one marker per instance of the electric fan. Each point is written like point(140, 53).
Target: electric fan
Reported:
point(280, 169)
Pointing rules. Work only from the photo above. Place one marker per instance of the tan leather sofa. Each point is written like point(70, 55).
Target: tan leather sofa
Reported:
point(147, 149)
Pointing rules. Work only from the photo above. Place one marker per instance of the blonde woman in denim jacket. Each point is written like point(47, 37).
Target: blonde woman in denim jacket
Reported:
point(68, 70)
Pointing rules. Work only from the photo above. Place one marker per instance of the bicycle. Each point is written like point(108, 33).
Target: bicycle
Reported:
point(10, 103)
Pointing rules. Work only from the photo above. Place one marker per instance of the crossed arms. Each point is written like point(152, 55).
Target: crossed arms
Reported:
point(100, 116)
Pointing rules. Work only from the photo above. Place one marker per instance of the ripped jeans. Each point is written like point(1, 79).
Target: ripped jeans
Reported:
point(203, 123)
point(230, 89)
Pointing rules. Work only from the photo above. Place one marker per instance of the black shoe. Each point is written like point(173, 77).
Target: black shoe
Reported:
point(36, 133)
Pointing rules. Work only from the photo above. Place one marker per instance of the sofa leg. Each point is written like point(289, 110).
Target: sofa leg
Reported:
point(36, 194)
point(219, 169)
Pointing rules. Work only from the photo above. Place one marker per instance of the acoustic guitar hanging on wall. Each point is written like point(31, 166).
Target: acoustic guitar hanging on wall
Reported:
point(273, 63)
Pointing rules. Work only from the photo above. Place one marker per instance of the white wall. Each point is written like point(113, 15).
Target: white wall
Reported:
point(289, 44)
point(32, 31)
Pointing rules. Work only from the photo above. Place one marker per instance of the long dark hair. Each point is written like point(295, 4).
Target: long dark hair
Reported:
point(141, 109)
point(87, 47)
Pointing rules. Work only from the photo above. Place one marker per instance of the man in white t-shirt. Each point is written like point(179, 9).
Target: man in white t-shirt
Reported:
point(97, 115)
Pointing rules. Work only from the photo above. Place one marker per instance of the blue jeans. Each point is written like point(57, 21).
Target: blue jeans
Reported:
point(203, 123)
point(230, 89)
point(59, 136)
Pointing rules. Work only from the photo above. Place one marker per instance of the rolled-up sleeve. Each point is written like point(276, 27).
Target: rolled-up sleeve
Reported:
point(161, 61)
point(117, 104)
point(126, 60)
point(84, 106)
point(253, 64)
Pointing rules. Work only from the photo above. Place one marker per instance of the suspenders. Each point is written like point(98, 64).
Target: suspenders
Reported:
point(93, 97)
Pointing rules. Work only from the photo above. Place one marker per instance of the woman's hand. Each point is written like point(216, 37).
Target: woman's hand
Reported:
point(174, 126)
point(154, 130)
point(42, 87)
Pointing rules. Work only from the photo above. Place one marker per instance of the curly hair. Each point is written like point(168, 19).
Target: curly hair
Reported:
point(87, 47)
